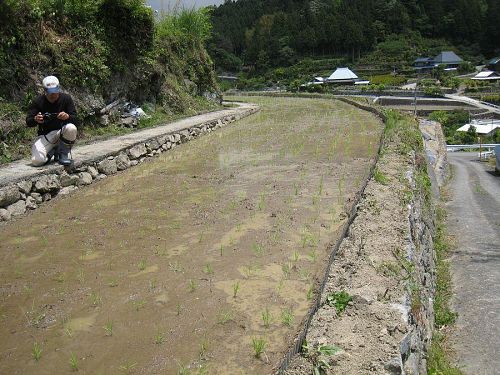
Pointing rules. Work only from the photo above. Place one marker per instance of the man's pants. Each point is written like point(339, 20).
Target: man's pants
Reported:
point(45, 143)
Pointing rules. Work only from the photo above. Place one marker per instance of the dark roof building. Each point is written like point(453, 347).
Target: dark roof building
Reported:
point(424, 63)
point(448, 59)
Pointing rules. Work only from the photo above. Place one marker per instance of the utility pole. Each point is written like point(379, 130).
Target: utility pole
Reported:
point(415, 95)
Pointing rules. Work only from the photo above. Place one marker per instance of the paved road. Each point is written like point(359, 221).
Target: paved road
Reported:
point(474, 218)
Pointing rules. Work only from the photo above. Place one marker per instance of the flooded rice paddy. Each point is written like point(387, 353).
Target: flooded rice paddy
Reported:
point(181, 264)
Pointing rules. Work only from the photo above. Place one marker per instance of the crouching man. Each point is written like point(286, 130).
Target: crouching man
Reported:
point(55, 115)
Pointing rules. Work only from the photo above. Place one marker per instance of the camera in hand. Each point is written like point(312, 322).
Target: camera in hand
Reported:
point(48, 116)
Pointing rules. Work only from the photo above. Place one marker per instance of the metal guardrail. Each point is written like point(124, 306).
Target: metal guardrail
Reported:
point(488, 146)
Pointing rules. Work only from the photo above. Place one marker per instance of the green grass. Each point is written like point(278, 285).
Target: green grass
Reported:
point(438, 362)
point(339, 300)
point(444, 316)
point(380, 177)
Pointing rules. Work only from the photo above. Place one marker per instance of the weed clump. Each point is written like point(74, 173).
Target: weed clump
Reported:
point(339, 300)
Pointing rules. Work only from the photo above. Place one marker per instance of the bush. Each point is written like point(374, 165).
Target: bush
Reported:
point(494, 99)
point(187, 24)
point(388, 80)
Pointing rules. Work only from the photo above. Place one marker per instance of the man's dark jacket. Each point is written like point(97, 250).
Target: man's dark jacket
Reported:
point(41, 104)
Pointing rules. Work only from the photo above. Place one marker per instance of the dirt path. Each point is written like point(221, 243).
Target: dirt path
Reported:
point(184, 261)
point(474, 219)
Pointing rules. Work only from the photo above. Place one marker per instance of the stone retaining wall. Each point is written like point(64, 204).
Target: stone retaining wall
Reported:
point(19, 196)
point(386, 263)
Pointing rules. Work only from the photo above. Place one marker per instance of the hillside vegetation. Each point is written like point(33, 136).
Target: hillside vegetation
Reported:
point(101, 50)
point(271, 33)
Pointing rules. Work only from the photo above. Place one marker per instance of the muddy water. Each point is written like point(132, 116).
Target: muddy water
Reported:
point(172, 265)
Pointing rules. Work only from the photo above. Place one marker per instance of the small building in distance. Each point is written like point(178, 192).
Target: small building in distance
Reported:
point(494, 64)
point(447, 59)
point(487, 75)
point(343, 76)
point(424, 63)
point(483, 127)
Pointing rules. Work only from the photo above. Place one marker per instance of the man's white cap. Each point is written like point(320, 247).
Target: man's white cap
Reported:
point(51, 85)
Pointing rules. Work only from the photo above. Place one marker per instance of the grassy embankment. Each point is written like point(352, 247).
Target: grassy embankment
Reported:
point(101, 50)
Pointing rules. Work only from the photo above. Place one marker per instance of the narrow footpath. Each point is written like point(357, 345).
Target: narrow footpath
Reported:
point(474, 220)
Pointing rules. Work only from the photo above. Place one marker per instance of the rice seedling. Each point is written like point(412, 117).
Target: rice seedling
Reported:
point(142, 265)
point(207, 269)
point(128, 366)
point(73, 362)
point(225, 316)
point(258, 345)
point(262, 201)
point(152, 285)
point(304, 274)
point(295, 189)
point(60, 277)
point(200, 238)
point(310, 293)
point(27, 290)
point(295, 256)
point(320, 190)
point(108, 327)
point(221, 250)
point(139, 304)
point(315, 200)
point(178, 309)
point(340, 186)
point(175, 266)
point(80, 276)
point(313, 255)
point(44, 240)
point(280, 286)
point(287, 317)
point(183, 370)
point(257, 249)
point(266, 317)
point(204, 348)
point(159, 338)
point(95, 299)
point(192, 286)
point(68, 332)
point(286, 269)
point(113, 283)
point(36, 352)
point(236, 288)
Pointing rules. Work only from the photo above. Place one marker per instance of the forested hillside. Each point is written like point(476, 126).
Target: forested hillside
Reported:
point(101, 50)
point(264, 33)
